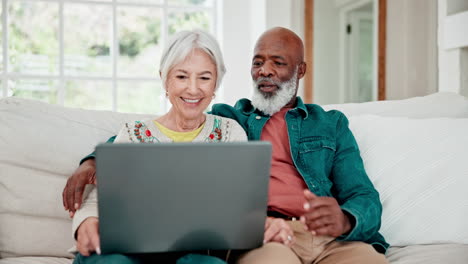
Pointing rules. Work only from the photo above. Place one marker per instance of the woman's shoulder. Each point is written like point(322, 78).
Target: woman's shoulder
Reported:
point(222, 120)
point(137, 131)
point(227, 127)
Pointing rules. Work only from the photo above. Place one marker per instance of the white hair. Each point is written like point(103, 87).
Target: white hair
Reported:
point(271, 104)
point(182, 44)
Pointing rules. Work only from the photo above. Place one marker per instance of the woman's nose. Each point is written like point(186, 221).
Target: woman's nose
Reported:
point(193, 84)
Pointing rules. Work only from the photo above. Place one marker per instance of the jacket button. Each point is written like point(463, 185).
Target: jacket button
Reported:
point(258, 117)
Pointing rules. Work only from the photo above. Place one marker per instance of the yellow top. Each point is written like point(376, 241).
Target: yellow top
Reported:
point(179, 136)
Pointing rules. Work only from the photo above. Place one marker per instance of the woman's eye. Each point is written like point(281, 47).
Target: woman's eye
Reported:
point(181, 77)
point(205, 78)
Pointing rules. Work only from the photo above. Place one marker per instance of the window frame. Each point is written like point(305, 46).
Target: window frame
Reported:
point(61, 78)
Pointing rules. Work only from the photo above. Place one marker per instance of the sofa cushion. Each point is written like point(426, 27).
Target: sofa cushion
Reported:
point(429, 254)
point(419, 167)
point(36, 260)
point(442, 104)
point(41, 146)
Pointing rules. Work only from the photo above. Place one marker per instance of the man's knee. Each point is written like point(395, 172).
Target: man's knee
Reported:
point(270, 253)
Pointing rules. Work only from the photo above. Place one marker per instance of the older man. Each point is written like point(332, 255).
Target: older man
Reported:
point(322, 207)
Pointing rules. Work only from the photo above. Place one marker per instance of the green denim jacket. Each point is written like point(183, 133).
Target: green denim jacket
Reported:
point(326, 154)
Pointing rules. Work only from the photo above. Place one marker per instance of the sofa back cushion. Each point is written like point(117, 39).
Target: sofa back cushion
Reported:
point(420, 168)
point(442, 104)
point(41, 146)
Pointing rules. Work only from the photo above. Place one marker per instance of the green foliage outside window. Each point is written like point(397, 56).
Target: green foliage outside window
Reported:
point(33, 48)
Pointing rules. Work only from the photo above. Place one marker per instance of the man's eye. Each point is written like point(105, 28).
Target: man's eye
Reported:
point(181, 77)
point(280, 63)
point(257, 63)
point(205, 78)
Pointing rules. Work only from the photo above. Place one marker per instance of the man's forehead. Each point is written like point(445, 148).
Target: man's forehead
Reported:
point(274, 50)
point(272, 43)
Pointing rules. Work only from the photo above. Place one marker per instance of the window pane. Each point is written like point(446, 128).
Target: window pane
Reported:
point(206, 3)
point(42, 90)
point(33, 42)
point(95, 95)
point(140, 97)
point(87, 39)
point(139, 32)
point(189, 20)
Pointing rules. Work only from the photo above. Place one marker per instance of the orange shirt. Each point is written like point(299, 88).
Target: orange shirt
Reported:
point(286, 184)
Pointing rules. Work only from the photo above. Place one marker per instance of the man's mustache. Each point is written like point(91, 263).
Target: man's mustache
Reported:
point(267, 79)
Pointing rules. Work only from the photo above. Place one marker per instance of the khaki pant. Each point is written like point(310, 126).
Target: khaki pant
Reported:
point(309, 249)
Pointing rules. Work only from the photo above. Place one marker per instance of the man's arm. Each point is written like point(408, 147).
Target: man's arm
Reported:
point(352, 187)
point(72, 194)
point(354, 211)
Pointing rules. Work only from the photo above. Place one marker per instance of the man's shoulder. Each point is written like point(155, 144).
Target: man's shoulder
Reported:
point(316, 112)
point(242, 107)
point(219, 109)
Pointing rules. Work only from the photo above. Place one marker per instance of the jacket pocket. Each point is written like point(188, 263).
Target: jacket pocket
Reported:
point(316, 145)
point(316, 157)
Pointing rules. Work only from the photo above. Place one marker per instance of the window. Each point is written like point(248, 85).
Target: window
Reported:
point(93, 54)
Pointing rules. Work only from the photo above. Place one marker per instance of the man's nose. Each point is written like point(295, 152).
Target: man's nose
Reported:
point(266, 71)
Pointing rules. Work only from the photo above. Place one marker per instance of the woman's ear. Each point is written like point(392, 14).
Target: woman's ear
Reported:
point(160, 74)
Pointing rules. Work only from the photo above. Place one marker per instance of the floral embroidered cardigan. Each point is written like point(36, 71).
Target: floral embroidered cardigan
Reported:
point(216, 129)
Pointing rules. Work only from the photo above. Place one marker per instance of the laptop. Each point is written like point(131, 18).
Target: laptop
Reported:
point(182, 196)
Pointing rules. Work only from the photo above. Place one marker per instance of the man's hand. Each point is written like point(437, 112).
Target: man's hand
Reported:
point(72, 194)
point(277, 230)
point(323, 216)
point(88, 237)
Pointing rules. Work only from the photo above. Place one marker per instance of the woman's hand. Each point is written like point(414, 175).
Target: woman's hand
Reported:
point(88, 237)
point(277, 230)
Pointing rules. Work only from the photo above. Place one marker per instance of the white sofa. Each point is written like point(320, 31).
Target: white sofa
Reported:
point(415, 152)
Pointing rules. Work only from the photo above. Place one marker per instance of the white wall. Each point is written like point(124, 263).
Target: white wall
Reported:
point(237, 27)
point(452, 46)
point(455, 6)
point(411, 45)
point(326, 47)
point(411, 48)
point(464, 67)
point(243, 22)
point(288, 14)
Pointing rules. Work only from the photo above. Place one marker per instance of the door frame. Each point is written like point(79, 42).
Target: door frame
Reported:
point(381, 6)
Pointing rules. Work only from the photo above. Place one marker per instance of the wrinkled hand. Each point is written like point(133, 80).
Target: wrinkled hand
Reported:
point(323, 216)
point(72, 194)
point(277, 230)
point(88, 237)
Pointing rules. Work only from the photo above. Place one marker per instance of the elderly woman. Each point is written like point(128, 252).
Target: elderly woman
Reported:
point(191, 70)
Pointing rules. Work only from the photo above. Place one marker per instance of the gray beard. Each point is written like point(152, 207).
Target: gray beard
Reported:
point(271, 104)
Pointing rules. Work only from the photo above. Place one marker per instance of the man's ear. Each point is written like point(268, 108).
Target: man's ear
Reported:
point(301, 70)
point(160, 74)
